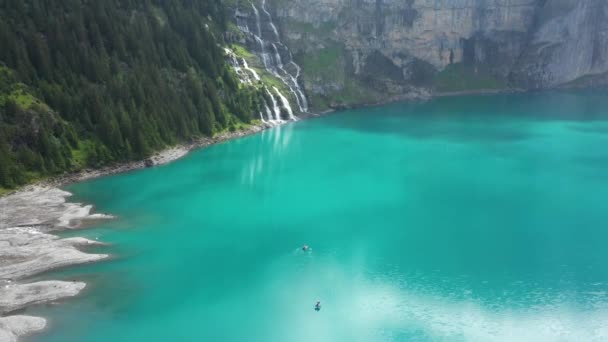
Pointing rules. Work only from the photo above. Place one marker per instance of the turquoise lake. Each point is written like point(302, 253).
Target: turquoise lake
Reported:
point(477, 218)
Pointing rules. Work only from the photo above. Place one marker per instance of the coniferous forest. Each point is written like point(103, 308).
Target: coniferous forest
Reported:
point(89, 83)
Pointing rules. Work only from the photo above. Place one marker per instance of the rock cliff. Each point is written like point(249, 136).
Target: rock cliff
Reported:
point(361, 51)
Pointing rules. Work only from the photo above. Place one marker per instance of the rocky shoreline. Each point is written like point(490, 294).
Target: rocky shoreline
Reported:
point(27, 248)
point(30, 215)
point(163, 157)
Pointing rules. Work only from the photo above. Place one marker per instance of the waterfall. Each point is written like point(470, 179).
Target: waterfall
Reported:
point(274, 28)
point(290, 82)
point(232, 59)
point(257, 20)
point(271, 50)
point(295, 80)
point(277, 57)
point(258, 37)
point(285, 104)
point(243, 76)
point(263, 53)
point(268, 113)
point(253, 72)
point(275, 107)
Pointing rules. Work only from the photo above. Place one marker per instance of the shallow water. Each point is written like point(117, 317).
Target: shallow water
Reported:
point(470, 218)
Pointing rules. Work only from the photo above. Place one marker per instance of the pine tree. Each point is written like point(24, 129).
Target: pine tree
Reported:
point(114, 81)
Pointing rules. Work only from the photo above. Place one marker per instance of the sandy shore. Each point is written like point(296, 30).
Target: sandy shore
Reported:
point(27, 247)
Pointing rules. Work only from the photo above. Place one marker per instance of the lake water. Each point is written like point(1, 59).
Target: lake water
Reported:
point(480, 218)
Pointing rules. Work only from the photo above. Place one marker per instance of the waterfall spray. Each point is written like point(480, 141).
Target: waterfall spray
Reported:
point(268, 112)
point(253, 72)
point(285, 104)
point(275, 107)
point(274, 55)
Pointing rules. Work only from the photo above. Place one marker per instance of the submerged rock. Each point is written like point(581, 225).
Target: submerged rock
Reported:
point(17, 296)
point(26, 249)
point(15, 326)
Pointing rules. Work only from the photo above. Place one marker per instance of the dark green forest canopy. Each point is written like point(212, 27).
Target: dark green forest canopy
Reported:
point(87, 83)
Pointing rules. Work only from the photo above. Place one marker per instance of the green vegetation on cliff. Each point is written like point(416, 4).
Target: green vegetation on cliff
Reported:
point(460, 77)
point(88, 83)
point(329, 84)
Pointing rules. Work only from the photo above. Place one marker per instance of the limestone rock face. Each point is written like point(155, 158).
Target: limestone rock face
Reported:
point(569, 42)
point(399, 46)
point(431, 30)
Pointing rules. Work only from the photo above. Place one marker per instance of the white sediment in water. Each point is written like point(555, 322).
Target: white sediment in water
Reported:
point(26, 249)
point(14, 326)
point(31, 252)
point(43, 207)
point(18, 296)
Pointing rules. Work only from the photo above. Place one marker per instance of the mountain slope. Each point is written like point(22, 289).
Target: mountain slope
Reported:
point(355, 51)
point(87, 83)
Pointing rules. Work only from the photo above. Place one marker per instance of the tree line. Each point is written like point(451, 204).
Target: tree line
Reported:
point(87, 83)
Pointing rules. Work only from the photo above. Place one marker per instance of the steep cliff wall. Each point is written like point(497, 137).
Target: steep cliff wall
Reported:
point(355, 51)
point(570, 41)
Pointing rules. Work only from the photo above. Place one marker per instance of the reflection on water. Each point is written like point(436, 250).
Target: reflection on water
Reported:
point(463, 219)
point(362, 306)
point(269, 148)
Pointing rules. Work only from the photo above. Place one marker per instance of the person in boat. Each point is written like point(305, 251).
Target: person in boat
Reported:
point(318, 305)
point(305, 248)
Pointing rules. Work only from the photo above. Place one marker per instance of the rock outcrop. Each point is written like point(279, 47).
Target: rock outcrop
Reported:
point(27, 249)
point(371, 50)
point(569, 42)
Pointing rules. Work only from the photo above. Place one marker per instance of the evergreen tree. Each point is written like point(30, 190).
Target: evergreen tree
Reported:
point(112, 79)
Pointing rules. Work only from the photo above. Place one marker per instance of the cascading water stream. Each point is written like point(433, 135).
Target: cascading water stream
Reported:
point(253, 72)
point(277, 57)
point(294, 87)
point(257, 20)
point(274, 28)
point(295, 80)
point(270, 51)
point(294, 83)
point(243, 76)
point(275, 107)
point(285, 103)
point(258, 36)
point(268, 112)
